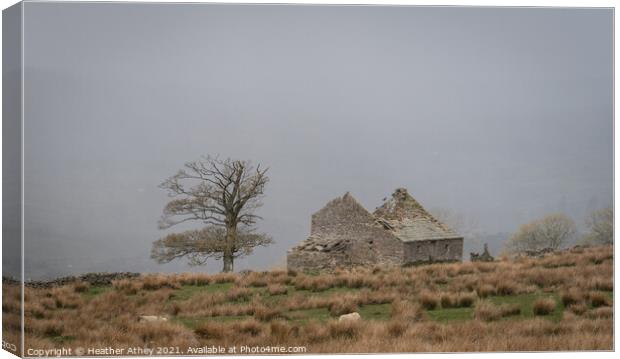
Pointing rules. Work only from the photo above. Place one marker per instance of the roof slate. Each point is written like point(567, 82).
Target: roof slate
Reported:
point(409, 221)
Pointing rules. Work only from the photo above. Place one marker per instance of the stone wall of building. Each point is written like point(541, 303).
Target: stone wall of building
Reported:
point(345, 234)
point(302, 260)
point(341, 216)
point(373, 245)
point(437, 250)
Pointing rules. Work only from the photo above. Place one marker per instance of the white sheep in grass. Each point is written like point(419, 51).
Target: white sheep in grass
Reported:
point(351, 316)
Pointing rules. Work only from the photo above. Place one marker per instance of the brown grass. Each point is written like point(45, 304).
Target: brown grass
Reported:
point(598, 299)
point(238, 294)
point(266, 314)
point(277, 289)
point(577, 308)
point(543, 306)
point(487, 311)
point(429, 300)
point(342, 305)
point(407, 311)
point(485, 290)
point(572, 296)
point(259, 308)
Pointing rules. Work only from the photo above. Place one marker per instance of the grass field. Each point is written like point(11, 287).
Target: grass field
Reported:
point(563, 301)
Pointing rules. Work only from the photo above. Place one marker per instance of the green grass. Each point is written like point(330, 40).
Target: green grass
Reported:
point(303, 316)
point(524, 301)
point(324, 293)
point(187, 291)
point(375, 311)
point(193, 322)
point(451, 314)
point(61, 339)
point(367, 312)
point(95, 291)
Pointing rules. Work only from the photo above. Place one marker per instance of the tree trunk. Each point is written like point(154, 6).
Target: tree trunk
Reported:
point(231, 237)
point(228, 263)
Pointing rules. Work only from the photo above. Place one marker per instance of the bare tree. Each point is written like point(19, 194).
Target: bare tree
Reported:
point(220, 193)
point(209, 242)
point(601, 224)
point(551, 231)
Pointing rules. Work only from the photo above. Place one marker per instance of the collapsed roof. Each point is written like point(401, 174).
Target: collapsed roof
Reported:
point(402, 215)
point(409, 221)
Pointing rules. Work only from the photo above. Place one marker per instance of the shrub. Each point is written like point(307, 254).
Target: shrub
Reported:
point(65, 297)
point(373, 297)
point(154, 282)
point(487, 311)
point(277, 289)
point(465, 268)
point(210, 330)
point(126, 286)
point(543, 306)
point(174, 309)
point(448, 301)
point(238, 293)
point(265, 314)
point(282, 331)
point(255, 279)
point(603, 312)
point(606, 284)
point(441, 280)
point(353, 280)
point(53, 329)
point(577, 309)
point(314, 332)
point(485, 290)
point(466, 300)
point(570, 297)
point(194, 279)
point(314, 284)
point(407, 311)
point(509, 309)
point(346, 329)
point(396, 328)
point(506, 288)
point(429, 300)
point(598, 299)
point(221, 278)
point(81, 287)
point(342, 306)
point(250, 326)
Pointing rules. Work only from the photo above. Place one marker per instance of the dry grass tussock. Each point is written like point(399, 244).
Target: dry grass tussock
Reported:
point(412, 307)
point(543, 306)
point(487, 311)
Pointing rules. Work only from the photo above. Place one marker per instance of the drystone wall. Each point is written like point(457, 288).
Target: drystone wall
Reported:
point(94, 279)
point(437, 250)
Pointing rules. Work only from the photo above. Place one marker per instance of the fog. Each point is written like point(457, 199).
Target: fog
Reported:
point(499, 115)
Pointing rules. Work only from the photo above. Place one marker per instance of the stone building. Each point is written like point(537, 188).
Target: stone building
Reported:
point(400, 232)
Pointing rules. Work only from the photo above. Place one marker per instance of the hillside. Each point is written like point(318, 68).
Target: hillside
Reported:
point(563, 301)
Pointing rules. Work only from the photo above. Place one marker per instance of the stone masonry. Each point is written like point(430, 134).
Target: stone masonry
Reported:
point(344, 234)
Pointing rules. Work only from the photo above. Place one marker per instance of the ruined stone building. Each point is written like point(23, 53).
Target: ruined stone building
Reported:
point(400, 232)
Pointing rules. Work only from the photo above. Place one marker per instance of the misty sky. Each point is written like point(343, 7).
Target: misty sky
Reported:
point(501, 115)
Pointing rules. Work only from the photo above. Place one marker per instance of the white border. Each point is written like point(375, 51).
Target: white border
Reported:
point(477, 3)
